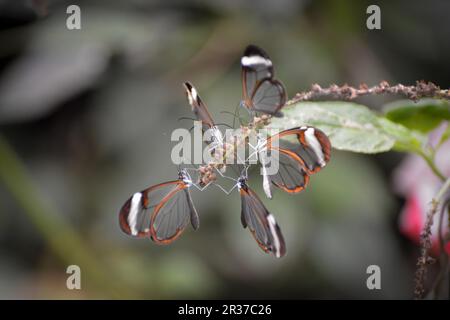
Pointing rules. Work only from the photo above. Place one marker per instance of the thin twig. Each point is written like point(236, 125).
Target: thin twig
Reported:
point(422, 89)
point(425, 241)
point(430, 161)
point(436, 289)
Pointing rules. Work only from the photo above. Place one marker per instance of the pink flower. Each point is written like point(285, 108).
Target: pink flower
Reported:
point(414, 180)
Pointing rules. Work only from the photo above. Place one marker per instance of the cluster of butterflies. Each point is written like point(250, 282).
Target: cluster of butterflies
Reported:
point(163, 211)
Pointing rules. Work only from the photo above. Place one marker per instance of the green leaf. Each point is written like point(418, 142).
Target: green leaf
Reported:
point(424, 115)
point(350, 126)
point(405, 139)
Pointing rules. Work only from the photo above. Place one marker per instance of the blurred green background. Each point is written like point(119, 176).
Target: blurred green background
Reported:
point(86, 117)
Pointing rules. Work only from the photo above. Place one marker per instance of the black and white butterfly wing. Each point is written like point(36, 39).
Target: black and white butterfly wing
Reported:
point(161, 212)
point(134, 218)
point(202, 114)
point(261, 223)
point(261, 92)
point(256, 67)
point(198, 106)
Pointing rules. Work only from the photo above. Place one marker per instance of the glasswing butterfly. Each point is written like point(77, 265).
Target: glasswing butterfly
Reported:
point(260, 91)
point(202, 114)
point(160, 212)
point(260, 222)
point(300, 152)
point(163, 211)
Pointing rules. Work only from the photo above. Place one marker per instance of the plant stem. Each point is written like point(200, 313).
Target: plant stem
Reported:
point(437, 287)
point(425, 240)
point(430, 161)
point(415, 92)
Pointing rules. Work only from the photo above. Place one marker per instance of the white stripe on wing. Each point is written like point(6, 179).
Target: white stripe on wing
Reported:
point(133, 214)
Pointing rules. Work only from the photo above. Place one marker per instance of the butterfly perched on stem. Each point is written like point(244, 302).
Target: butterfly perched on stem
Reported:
point(260, 91)
point(298, 152)
point(160, 212)
point(260, 222)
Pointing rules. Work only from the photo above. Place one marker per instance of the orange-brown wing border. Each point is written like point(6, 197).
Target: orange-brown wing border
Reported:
point(125, 210)
point(321, 137)
point(181, 186)
point(246, 191)
point(198, 106)
point(306, 175)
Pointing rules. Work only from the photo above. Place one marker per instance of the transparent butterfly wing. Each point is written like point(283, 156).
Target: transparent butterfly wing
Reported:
point(269, 97)
point(309, 144)
point(285, 170)
point(134, 216)
point(261, 92)
point(261, 223)
point(160, 212)
point(198, 106)
point(171, 216)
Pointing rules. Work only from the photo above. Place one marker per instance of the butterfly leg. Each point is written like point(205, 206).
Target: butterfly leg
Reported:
point(227, 192)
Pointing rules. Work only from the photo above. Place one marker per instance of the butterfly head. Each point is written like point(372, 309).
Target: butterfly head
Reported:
point(184, 176)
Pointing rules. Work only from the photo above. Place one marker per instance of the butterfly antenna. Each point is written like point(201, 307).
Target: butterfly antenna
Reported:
point(227, 192)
